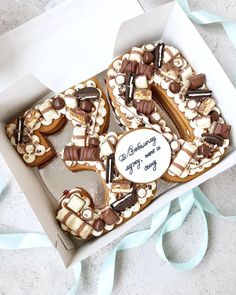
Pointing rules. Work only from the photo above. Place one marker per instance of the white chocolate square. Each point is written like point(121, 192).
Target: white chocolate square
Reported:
point(107, 148)
point(76, 203)
point(85, 232)
point(74, 222)
point(141, 82)
point(62, 213)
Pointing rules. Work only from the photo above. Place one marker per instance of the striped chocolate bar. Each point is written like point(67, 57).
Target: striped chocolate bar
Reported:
point(182, 159)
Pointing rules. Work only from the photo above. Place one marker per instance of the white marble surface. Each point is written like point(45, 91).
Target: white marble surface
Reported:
point(139, 271)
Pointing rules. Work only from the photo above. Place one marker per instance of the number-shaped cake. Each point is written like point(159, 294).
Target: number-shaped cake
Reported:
point(171, 128)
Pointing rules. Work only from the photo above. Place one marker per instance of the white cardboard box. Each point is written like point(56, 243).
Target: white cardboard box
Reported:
point(61, 48)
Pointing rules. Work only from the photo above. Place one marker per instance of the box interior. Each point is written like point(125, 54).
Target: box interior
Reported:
point(168, 23)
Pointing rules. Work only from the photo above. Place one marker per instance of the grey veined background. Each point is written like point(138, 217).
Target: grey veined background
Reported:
point(139, 271)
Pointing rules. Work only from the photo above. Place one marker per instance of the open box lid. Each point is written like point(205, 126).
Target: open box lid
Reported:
point(160, 23)
point(66, 44)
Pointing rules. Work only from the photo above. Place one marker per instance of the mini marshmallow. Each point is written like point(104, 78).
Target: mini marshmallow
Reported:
point(29, 148)
point(70, 92)
point(203, 122)
point(192, 104)
point(71, 101)
point(136, 54)
point(149, 47)
point(107, 148)
point(186, 72)
point(120, 79)
point(141, 192)
point(141, 81)
point(175, 146)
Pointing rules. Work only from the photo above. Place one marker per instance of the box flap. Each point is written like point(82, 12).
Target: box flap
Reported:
point(62, 47)
point(26, 91)
point(149, 26)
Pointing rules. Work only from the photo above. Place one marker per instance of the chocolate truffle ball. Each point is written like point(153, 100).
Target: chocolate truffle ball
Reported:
point(58, 103)
point(148, 57)
point(174, 87)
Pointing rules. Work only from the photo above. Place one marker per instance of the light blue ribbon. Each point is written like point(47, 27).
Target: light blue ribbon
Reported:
point(186, 201)
point(203, 17)
point(132, 240)
point(17, 241)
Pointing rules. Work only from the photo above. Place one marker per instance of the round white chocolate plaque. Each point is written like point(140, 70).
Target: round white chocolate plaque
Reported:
point(142, 155)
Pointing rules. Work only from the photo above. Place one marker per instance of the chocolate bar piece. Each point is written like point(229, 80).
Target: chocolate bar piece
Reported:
point(205, 150)
point(199, 95)
point(86, 106)
point(148, 57)
point(80, 116)
point(143, 94)
point(127, 201)
point(99, 224)
point(159, 53)
point(109, 216)
point(110, 171)
point(144, 69)
point(206, 106)
point(71, 153)
point(87, 93)
point(94, 141)
point(129, 88)
point(146, 107)
point(214, 116)
point(47, 111)
point(19, 130)
point(182, 159)
point(89, 153)
point(121, 186)
point(196, 81)
point(79, 136)
point(222, 130)
point(128, 66)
